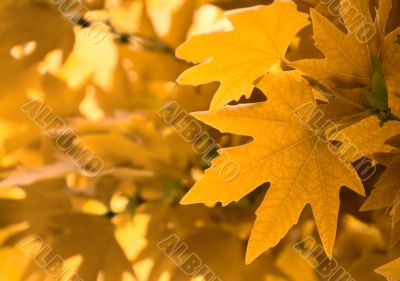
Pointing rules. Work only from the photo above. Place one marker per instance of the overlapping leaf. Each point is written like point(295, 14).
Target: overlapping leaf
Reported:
point(287, 152)
point(237, 58)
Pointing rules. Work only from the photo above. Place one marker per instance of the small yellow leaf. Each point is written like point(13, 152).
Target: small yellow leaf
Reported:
point(366, 137)
point(237, 58)
point(346, 58)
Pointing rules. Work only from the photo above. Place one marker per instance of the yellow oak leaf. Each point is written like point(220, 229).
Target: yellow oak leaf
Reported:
point(391, 270)
point(287, 152)
point(237, 58)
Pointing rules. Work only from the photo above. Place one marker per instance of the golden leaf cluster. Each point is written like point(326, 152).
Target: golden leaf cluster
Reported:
point(103, 107)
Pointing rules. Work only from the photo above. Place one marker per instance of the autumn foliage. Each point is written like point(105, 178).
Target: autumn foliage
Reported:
point(214, 140)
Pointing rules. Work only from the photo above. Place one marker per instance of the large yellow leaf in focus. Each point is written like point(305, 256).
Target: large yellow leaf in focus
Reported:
point(237, 58)
point(300, 165)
